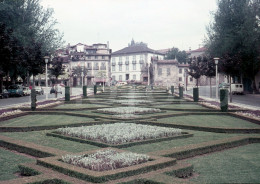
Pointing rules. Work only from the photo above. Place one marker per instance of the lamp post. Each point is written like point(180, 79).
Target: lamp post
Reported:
point(82, 74)
point(103, 75)
point(46, 59)
point(216, 62)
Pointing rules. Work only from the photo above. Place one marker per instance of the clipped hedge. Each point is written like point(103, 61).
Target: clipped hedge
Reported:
point(208, 147)
point(24, 149)
point(27, 171)
point(142, 181)
point(103, 145)
point(50, 181)
point(105, 176)
point(183, 171)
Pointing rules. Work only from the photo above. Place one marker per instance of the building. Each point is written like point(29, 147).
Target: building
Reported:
point(171, 73)
point(88, 62)
point(132, 63)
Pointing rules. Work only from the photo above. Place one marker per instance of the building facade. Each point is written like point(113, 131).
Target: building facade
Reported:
point(171, 73)
point(94, 61)
point(132, 63)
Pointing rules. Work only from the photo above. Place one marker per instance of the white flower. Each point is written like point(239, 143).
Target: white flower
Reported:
point(119, 133)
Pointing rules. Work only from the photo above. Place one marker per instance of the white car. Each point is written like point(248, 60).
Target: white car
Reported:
point(26, 91)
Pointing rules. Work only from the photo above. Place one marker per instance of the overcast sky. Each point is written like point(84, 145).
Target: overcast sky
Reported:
point(159, 23)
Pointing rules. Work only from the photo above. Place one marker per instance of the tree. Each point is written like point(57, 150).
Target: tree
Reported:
point(196, 68)
point(175, 53)
point(209, 70)
point(234, 36)
point(34, 28)
point(57, 69)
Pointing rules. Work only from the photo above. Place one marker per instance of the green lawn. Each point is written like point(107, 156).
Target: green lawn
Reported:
point(40, 138)
point(79, 106)
point(9, 162)
point(199, 137)
point(182, 106)
point(210, 121)
point(44, 120)
point(237, 165)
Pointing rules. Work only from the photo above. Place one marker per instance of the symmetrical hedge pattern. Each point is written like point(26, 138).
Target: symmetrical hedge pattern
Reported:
point(146, 115)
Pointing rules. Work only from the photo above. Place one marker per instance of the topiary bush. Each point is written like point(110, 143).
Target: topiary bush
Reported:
point(33, 99)
point(172, 89)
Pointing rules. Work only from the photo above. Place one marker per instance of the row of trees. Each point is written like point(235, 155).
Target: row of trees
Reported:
point(234, 36)
point(27, 34)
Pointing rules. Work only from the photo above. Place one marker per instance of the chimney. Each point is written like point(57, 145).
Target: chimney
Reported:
point(107, 44)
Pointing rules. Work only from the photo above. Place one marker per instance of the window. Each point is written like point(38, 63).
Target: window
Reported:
point(113, 78)
point(113, 68)
point(89, 65)
point(127, 67)
point(120, 58)
point(96, 57)
point(120, 77)
point(168, 71)
point(180, 79)
point(103, 57)
point(134, 58)
point(180, 70)
point(127, 58)
point(120, 67)
point(159, 71)
point(89, 57)
point(134, 77)
point(134, 66)
point(191, 79)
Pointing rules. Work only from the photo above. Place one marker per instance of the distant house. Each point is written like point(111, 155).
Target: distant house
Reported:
point(171, 73)
point(93, 58)
point(132, 63)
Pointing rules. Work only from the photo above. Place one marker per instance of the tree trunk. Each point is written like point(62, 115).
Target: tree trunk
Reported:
point(254, 86)
point(210, 87)
point(230, 92)
point(33, 85)
point(1, 84)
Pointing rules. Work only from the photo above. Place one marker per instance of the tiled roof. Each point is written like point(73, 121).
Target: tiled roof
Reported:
point(135, 49)
point(202, 49)
point(164, 51)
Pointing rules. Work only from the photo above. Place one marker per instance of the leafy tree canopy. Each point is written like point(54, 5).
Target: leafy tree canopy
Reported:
point(175, 53)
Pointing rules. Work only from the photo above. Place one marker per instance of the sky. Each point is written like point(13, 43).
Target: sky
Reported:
point(161, 24)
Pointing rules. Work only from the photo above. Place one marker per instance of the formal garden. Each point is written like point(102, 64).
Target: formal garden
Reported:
point(129, 135)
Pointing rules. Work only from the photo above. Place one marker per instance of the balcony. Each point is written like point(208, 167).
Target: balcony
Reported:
point(134, 61)
point(127, 62)
point(120, 62)
point(113, 63)
point(141, 61)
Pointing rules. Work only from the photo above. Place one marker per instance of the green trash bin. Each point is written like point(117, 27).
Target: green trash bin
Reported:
point(67, 93)
point(84, 91)
point(180, 92)
point(224, 100)
point(95, 89)
point(195, 94)
point(33, 99)
point(172, 90)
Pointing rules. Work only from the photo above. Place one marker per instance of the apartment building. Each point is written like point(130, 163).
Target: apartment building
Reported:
point(132, 63)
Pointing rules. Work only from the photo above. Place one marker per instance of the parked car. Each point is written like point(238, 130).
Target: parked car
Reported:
point(15, 90)
point(4, 94)
point(26, 91)
point(235, 88)
point(55, 89)
point(39, 90)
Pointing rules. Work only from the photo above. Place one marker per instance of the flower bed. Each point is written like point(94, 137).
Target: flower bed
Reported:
point(251, 114)
point(106, 160)
point(9, 112)
point(132, 102)
point(119, 133)
point(128, 110)
point(133, 97)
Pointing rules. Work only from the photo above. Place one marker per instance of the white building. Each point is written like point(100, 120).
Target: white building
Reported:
point(131, 63)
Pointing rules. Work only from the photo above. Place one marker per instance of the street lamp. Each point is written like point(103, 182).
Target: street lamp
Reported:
point(46, 59)
point(82, 74)
point(216, 62)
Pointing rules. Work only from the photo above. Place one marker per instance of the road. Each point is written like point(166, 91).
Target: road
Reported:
point(10, 102)
point(247, 99)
